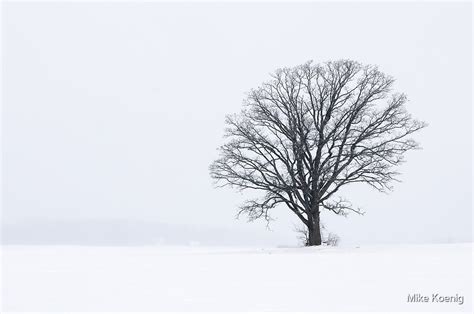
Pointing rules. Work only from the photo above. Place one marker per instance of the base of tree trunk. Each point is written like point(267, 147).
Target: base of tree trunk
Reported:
point(314, 235)
point(314, 243)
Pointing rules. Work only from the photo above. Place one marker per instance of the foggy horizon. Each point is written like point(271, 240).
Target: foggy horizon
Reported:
point(112, 113)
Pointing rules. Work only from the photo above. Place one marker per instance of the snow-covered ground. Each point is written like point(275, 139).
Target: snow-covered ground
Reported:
point(75, 278)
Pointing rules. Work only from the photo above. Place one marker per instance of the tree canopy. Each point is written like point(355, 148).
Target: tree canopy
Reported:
point(309, 131)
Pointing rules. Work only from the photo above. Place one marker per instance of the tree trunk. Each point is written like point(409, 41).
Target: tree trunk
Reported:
point(314, 231)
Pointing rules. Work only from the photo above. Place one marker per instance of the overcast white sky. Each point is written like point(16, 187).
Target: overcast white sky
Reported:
point(113, 111)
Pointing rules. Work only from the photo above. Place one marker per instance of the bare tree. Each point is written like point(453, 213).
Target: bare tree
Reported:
point(311, 130)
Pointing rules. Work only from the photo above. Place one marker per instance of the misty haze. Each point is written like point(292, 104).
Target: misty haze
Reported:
point(192, 150)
